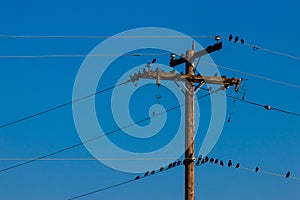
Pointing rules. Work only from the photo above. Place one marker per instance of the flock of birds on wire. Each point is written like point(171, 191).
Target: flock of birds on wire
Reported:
point(201, 161)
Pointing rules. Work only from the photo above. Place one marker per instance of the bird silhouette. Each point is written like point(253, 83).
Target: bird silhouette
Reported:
point(256, 169)
point(178, 162)
point(147, 173)
point(236, 39)
point(206, 159)
point(222, 163)
point(216, 161)
point(217, 38)
point(153, 61)
point(170, 165)
point(198, 162)
point(230, 37)
point(203, 161)
point(200, 157)
point(229, 163)
point(162, 168)
point(237, 165)
point(211, 160)
point(136, 178)
point(242, 41)
point(288, 174)
point(174, 164)
point(153, 172)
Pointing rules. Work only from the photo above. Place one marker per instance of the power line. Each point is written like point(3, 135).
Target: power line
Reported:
point(254, 75)
point(119, 129)
point(137, 178)
point(103, 36)
point(256, 47)
point(199, 162)
point(237, 165)
point(81, 55)
point(267, 107)
point(85, 159)
point(93, 139)
point(59, 106)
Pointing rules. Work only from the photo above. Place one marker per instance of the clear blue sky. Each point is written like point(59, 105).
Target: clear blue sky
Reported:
point(254, 136)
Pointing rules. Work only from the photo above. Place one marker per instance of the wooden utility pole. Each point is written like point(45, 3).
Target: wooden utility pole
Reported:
point(189, 128)
point(189, 90)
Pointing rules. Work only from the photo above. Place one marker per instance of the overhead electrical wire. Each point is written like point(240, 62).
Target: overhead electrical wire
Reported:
point(93, 139)
point(60, 106)
point(256, 47)
point(82, 55)
point(253, 75)
point(198, 162)
point(137, 178)
point(103, 36)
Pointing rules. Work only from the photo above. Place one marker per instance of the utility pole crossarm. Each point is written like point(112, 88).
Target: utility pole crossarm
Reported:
point(162, 75)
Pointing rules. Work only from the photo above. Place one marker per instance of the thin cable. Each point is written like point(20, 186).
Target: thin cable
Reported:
point(80, 55)
point(103, 189)
point(103, 36)
point(254, 75)
point(60, 106)
point(256, 47)
point(93, 139)
point(259, 171)
point(84, 159)
point(121, 183)
point(267, 107)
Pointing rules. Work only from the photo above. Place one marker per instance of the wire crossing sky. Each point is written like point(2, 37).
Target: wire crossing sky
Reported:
point(43, 45)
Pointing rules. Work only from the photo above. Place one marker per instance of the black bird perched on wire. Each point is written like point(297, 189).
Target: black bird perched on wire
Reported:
point(222, 163)
point(174, 164)
point(147, 173)
point(230, 37)
point(153, 61)
point(216, 161)
point(211, 160)
point(153, 172)
point(178, 162)
point(170, 165)
point(256, 169)
point(206, 159)
point(288, 174)
point(229, 163)
point(236, 39)
point(237, 165)
point(162, 168)
point(242, 41)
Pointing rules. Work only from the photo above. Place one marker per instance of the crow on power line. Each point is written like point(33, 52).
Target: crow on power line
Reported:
point(153, 61)
point(217, 38)
point(256, 169)
point(229, 163)
point(216, 161)
point(288, 174)
point(237, 165)
point(236, 39)
point(242, 41)
point(222, 163)
point(211, 160)
point(230, 37)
